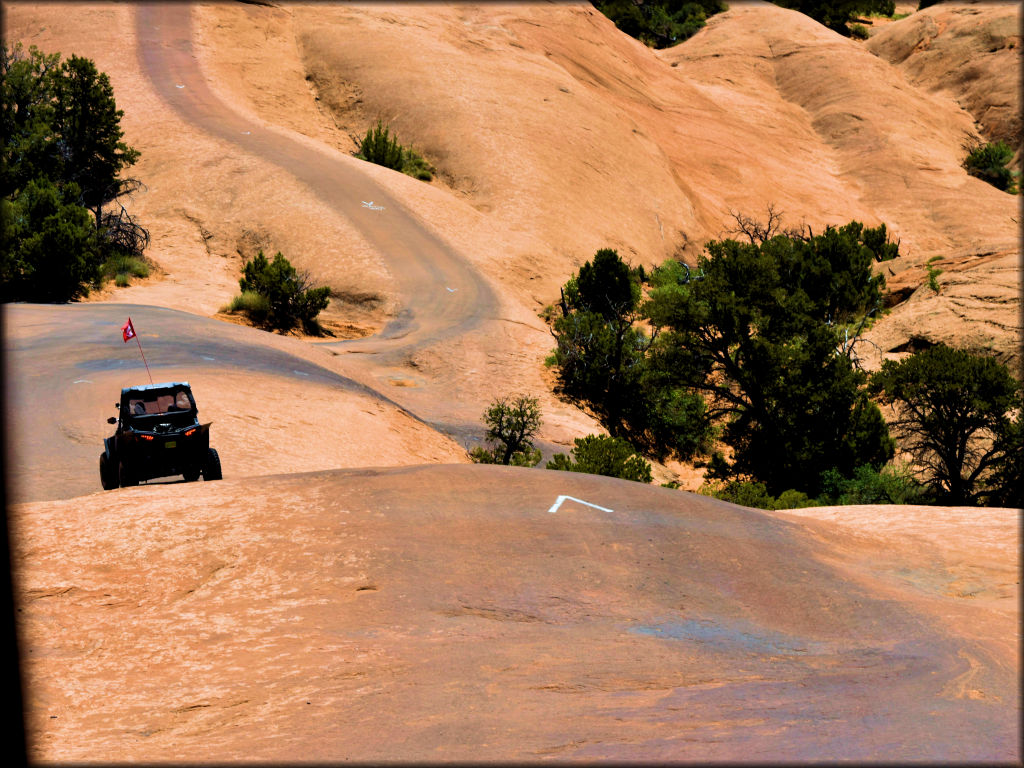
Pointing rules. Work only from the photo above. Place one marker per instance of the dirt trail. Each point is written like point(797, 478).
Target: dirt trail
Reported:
point(428, 272)
point(445, 304)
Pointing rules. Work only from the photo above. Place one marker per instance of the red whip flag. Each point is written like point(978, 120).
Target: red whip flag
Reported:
point(128, 332)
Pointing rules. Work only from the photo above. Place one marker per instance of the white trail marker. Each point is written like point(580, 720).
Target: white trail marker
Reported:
point(558, 503)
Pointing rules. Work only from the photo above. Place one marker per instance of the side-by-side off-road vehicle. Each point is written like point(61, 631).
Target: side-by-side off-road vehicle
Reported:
point(158, 434)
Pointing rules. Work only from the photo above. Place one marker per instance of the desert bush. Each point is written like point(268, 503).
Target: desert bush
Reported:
point(752, 347)
point(746, 493)
point(868, 485)
point(381, 147)
point(859, 31)
point(753, 493)
point(933, 273)
point(413, 164)
point(511, 423)
point(1006, 484)
point(604, 455)
point(598, 351)
point(121, 267)
point(794, 499)
point(290, 298)
point(547, 315)
point(255, 305)
point(989, 162)
point(876, 240)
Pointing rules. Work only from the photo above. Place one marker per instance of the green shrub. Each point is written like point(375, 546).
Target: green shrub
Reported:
point(604, 455)
point(933, 273)
point(414, 165)
point(255, 305)
point(877, 241)
point(603, 361)
point(859, 31)
point(867, 485)
point(988, 162)
point(290, 299)
point(746, 493)
point(1006, 484)
point(121, 268)
point(757, 332)
point(528, 457)
point(381, 147)
point(793, 499)
point(753, 493)
point(889, 485)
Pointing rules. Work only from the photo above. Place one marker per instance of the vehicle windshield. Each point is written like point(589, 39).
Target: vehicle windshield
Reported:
point(159, 403)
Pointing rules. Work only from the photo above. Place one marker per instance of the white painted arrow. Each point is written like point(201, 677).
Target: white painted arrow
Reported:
point(558, 503)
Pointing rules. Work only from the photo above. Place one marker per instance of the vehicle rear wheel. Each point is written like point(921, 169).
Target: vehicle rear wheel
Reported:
point(107, 478)
point(192, 475)
point(125, 479)
point(211, 471)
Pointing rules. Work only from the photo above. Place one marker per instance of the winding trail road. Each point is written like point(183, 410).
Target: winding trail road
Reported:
point(427, 271)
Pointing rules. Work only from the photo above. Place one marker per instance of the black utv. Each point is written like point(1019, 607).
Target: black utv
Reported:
point(158, 434)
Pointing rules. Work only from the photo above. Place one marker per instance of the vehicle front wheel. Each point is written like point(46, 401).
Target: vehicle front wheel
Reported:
point(107, 478)
point(211, 471)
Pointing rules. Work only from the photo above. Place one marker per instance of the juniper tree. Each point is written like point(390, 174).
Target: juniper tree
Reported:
point(511, 423)
point(757, 336)
point(953, 413)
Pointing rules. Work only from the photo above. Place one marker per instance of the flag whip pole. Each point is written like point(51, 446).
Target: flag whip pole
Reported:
point(144, 358)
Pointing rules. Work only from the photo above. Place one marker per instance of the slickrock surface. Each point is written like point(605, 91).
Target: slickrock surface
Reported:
point(457, 613)
point(353, 589)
